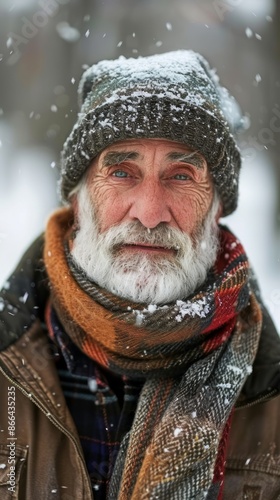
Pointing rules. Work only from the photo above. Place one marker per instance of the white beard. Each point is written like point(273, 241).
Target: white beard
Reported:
point(149, 279)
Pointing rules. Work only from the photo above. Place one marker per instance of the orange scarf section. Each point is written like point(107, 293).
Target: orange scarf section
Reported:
point(116, 340)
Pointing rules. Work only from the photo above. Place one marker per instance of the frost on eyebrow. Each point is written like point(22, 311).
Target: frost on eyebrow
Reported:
point(194, 158)
point(117, 157)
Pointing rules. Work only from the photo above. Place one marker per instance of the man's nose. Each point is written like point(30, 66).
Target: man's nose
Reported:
point(149, 204)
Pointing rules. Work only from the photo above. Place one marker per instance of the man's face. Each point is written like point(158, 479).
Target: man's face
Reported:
point(151, 181)
point(147, 227)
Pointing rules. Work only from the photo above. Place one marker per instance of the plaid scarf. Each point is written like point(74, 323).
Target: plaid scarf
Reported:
point(195, 355)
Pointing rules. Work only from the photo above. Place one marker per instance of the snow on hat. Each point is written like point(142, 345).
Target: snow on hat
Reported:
point(175, 96)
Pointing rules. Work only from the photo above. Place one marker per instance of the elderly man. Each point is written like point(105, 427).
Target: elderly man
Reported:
point(137, 360)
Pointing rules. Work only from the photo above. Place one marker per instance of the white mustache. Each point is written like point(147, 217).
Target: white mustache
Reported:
point(134, 233)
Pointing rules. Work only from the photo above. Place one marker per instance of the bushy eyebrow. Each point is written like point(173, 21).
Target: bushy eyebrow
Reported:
point(194, 158)
point(117, 157)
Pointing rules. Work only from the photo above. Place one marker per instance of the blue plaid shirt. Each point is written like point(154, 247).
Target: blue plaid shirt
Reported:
point(101, 403)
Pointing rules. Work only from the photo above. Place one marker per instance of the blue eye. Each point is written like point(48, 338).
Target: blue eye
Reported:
point(120, 173)
point(181, 177)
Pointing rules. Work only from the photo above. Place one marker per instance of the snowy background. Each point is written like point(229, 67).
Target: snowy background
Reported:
point(44, 47)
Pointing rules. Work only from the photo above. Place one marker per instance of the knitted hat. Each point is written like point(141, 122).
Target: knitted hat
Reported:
point(175, 96)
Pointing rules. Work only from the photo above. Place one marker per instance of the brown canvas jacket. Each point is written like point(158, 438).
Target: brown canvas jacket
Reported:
point(49, 460)
point(40, 452)
point(253, 461)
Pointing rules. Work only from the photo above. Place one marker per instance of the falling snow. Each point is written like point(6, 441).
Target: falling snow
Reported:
point(24, 298)
point(9, 42)
point(258, 78)
point(92, 384)
point(249, 32)
point(67, 32)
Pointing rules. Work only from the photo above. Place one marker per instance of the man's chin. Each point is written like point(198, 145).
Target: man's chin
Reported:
point(150, 285)
point(149, 263)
